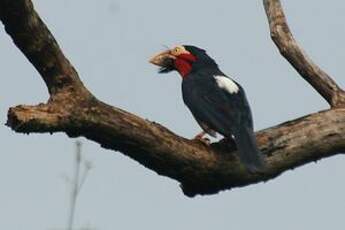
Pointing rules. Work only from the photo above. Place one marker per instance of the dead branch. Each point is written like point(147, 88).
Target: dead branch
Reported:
point(200, 169)
point(288, 47)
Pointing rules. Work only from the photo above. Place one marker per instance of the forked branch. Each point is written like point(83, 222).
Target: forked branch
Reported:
point(200, 169)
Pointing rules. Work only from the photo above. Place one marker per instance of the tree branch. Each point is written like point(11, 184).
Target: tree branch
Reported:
point(288, 47)
point(36, 42)
point(199, 168)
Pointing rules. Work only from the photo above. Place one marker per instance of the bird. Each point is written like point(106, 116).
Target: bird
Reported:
point(217, 102)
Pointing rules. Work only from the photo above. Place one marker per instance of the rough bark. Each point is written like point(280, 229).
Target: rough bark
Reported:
point(288, 47)
point(199, 168)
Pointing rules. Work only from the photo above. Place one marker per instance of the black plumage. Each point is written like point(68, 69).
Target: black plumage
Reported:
point(219, 110)
point(217, 102)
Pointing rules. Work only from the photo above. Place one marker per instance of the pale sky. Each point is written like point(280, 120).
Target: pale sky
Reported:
point(109, 42)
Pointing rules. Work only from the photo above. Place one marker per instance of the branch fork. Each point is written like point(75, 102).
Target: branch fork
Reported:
point(200, 169)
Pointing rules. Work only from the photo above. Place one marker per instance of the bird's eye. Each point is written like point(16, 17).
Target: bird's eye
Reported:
point(176, 51)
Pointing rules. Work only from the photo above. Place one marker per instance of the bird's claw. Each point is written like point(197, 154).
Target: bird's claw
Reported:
point(200, 137)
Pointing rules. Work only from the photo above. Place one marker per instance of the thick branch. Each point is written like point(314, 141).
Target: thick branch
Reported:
point(289, 48)
point(201, 169)
point(34, 39)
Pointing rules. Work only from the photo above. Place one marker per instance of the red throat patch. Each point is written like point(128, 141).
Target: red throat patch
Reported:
point(183, 67)
point(183, 64)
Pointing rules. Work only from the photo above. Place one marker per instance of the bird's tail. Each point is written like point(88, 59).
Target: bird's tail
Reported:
point(248, 151)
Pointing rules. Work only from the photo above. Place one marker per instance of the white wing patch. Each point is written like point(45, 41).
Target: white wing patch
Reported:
point(227, 84)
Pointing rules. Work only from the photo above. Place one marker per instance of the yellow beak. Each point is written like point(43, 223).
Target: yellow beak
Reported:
point(162, 59)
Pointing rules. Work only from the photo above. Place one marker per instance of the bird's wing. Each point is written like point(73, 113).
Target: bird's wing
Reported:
point(221, 103)
point(221, 108)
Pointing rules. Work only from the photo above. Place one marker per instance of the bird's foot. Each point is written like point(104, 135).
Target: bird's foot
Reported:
point(200, 137)
point(230, 141)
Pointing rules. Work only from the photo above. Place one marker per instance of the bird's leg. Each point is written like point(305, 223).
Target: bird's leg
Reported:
point(200, 137)
point(231, 140)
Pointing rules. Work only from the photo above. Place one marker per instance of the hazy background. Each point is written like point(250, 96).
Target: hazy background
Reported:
point(109, 42)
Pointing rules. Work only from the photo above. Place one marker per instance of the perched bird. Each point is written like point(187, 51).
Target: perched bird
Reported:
point(217, 102)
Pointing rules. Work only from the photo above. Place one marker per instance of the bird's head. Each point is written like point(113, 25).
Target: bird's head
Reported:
point(184, 59)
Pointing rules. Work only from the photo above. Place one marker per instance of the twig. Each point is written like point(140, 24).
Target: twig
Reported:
point(75, 185)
